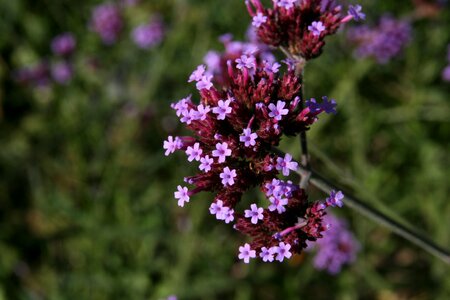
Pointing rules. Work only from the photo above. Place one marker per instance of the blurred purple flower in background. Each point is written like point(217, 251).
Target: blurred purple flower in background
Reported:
point(107, 21)
point(382, 42)
point(63, 44)
point(148, 35)
point(62, 72)
point(35, 75)
point(338, 246)
point(446, 71)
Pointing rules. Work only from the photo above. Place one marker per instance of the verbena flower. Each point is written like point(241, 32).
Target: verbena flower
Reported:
point(383, 41)
point(106, 21)
point(337, 248)
point(63, 44)
point(299, 26)
point(235, 127)
point(62, 72)
point(148, 35)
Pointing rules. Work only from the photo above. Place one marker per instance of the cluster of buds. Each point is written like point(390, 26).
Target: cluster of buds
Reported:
point(235, 129)
point(300, 26)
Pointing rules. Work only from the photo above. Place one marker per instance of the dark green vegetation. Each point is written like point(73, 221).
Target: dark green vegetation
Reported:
point(86, 195)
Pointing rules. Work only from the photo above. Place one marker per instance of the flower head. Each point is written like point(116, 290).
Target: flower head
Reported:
point(107, 22)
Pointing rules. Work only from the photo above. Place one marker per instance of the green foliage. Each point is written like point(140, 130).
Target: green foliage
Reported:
point(86, 195)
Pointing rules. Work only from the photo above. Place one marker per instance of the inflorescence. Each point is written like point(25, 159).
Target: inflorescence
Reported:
point(247, 104)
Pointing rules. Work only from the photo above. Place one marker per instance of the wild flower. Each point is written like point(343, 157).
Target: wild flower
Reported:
point(107, 22)
point(148, 35)
point(63, 44)
point(337, 247)
point(299, 26)
point(235, 127)
point(383, 41)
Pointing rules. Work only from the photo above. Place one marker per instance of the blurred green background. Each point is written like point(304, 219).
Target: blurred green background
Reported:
point(86, 194)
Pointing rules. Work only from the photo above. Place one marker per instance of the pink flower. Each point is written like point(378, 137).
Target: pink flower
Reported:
point(228, 176)
point(255, 213)
point(182, 195)
point(245, 253)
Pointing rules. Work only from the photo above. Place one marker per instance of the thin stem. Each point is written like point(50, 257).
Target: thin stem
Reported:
point(408, 233)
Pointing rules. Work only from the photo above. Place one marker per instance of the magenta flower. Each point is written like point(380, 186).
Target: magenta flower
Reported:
point(316, 28)
point(182, 195)
point(216, 208)
point(63, 44)
point(255, 213)
point(245, 253)
point(228, 215)
point(282, 251)
point(278, 204)
point(206, 163)
point(223, 108)
point(248, 137)
point(259, 19)
point(278, 111)
point(267, 254)
point(197, 75)
point(245, 61)
point(172, 144)
point(221, 152)
point(194, 153)
point(286, 164)
point(205, 83)
point(202, 112)
point(335, 199)
point(228, 176)
point(107, 22)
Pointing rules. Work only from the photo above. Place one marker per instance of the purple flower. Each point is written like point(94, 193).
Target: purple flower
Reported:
point(278, 111)
point(287, 4)
point(205, 83)
point(148, 35)
point(228, 215)
point(328, 106)
point(222, 109)
point(202, 112)
point(107, 22)
point(446, 74)
point(181, 105)
point(62, 72)
point(272, 68)
point(282, 251)
point(182, 195)
point(194, 152)
point(245, 61)
point(272, 186)
point(316, 28)
point(337, 247)
point(172, 144)
point(197, 75)
point(212, 60)
point(63, 44)
point(255, 213)
point(285, 164)
point(267, 254)
point(221, 152)
point(245, 253)
point(205, 163)
point(228, 176)
point(278, 204)
point(259, 19)
point(313, 106)
point(248, 138)
point(188, 116)
point(384, 41)
point(216, 208)
point(356, 12)
point(335, 199)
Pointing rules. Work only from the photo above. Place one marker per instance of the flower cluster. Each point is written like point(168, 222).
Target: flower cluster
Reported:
point(446, 71)
point(216, 62)
point(338, 246)
point(107, 22)
point(299, 25)
point(382, 42)
point(148, 35)
point(235, 128)
point(63, 44)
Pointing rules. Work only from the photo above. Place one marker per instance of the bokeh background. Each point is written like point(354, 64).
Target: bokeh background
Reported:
point(86, 194)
